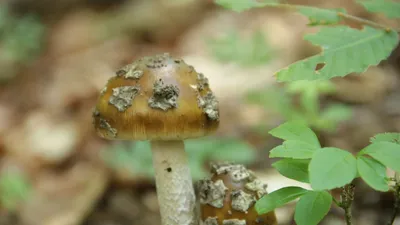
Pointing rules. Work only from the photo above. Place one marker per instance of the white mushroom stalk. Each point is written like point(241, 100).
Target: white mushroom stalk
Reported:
point(174, 183)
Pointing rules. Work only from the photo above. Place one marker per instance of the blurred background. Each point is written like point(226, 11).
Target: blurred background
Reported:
point(56, 56)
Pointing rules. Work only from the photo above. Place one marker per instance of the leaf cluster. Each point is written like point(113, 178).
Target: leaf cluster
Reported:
point(325, 168)
point(345, 50)
point(280, 102)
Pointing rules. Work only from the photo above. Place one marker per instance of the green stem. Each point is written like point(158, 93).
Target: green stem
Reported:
point(347, 197)
point(396, 208)
point(336, 201)
point(364, 21)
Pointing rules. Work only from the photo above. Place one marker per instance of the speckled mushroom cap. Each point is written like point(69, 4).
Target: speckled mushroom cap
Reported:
point(228, 197)
point(156, 98)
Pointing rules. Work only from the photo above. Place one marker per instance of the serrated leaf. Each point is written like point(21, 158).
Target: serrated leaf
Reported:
point(331, 168)
point(293, 149)
point(373, 173)
point(296, 131)
point(312, 207)
point(296, 169)
point(345, 50)
point(391, 9)
point(278, 198)
point(319, 16)
point(389, 137)
point(243, 5)
point(387, 153)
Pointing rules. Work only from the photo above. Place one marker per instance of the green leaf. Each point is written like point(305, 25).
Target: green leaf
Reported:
point(337, 113)
point(331, 168)
point(293, 149)
point(278, 198)
point(319, 16)
point(373, 173)
point(345, 50)
point(296, 131)
point(388, 137)
point(14, 189)
point(243, 5)
point(253, 51)
point(227, 149)
point(296, 169)
point(332, 115)
point(391, 9)
point(312, 207)
point(387, 153)
point(320, 86)
point(276, 100)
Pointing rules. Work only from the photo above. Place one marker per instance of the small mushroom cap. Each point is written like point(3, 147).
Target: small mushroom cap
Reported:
point(228, 197)
point(156, 98)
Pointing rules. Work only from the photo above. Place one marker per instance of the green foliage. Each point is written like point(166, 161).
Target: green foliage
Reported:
point(390, 9)
point(20, 37)
point(136, 158)
point(293, 149)
point(232, 47)
point(14, 189)
point(387, 153)
point(373, 173)
point(278, 100)
point(296, 169)
point(278, 198)
point(331, 168)
point(243, 5)
point(345, 50)
point(389, 137)
point(326, 168)
point(319, 16)
point(312, 207)
point(21, 40)
point(296, 131)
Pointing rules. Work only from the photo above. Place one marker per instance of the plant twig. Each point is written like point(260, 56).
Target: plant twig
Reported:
point(346, 201)
point(396, 193)
point(364, 21)
point(340, 14)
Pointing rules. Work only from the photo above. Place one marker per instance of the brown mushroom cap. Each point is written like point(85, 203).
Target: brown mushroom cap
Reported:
point(156, 98)
point(228, 198)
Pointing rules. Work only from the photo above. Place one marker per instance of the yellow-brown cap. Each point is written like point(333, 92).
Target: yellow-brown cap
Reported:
point(156, 98)
point(228, 198)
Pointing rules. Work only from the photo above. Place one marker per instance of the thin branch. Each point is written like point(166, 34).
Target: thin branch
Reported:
point(336, 202)
point(366, 22)
point(340, 14)
point(396, 193)
point(347, 197)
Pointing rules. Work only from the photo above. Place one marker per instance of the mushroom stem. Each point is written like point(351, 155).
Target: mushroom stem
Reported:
point(174, 183)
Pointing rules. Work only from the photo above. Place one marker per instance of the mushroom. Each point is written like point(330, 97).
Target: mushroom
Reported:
point(228, 197)
point(164, 100)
